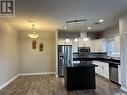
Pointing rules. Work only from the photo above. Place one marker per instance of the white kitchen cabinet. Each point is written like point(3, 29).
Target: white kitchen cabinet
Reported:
point(98, 68)
point(105, 69)
point(75, 47)
point(119, 74)
point(102, 69)
point(74, 44)
point(98, 45)
point(62, 42)
point(82, 43)
point(117, 44)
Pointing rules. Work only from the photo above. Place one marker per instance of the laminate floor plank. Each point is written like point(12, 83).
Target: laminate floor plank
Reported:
point(50, 85)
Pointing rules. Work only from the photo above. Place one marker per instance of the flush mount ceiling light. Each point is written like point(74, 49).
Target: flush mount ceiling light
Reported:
point(33, 35)
point(101, 20)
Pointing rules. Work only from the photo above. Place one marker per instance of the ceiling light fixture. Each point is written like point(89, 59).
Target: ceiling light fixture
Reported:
point(65, 28)
point(85, 39)
point(76, 40)
point(89, 28)
point(85, 32)
point(101, 20)
point(67, 39)
point(33, 35)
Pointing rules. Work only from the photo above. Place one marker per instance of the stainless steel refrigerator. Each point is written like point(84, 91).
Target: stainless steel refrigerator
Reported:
point(64, 58)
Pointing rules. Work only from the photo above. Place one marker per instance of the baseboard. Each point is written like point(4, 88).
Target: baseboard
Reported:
point(26, 74)
point(124, 89)
point(8, 82)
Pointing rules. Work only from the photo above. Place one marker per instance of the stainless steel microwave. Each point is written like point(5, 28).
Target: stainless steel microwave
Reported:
point(83, 49)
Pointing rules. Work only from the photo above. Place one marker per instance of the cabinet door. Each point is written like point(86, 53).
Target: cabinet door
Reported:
point(98, 45)
point(98, 68)
point(117, 44)
point(102, 69)
point(75, 48)
point(92, 46)
point(62, 42)
point(105, 69)
point(119, 74)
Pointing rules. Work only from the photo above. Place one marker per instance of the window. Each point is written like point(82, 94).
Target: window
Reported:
point(110, 46)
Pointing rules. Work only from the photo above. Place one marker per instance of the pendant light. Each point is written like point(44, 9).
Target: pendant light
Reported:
point(85, 32)
point(33, 35)
point(67, 39)
point(76, 39)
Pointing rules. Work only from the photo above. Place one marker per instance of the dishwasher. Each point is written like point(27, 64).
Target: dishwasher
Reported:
point(113, 73)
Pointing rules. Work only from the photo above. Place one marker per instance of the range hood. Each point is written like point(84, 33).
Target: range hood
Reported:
point(83, 40)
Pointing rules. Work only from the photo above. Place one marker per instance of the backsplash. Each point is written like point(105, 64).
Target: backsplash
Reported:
point(114, 55)
point(91, 54)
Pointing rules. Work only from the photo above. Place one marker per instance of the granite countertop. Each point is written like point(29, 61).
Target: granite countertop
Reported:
point(86, 64)
point(103, 59)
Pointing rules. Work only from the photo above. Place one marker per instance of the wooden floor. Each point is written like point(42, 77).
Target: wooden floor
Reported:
point(50, 85)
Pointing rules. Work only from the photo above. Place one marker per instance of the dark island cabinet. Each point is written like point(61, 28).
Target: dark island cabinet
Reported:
point(80, 77)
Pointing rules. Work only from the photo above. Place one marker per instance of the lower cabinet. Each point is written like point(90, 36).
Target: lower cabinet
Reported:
point(119, 74)
point(102, 69)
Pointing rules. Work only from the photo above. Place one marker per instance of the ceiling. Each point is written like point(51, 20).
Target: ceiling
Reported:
point(52, 14)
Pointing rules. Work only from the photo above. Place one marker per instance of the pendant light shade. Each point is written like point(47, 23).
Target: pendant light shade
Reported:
point(85, 39)
point(76, 40)
point(33, 35)
point(67, 40)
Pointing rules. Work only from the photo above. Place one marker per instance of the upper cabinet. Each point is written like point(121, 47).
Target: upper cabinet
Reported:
point(62, 42)
point(74, 44)
point(98, 45)
point(117, 44)
point(84, 43)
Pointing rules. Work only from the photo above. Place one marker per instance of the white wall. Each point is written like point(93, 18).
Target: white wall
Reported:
point(17, 55)
point(110, 33)
point(123, 47)
point(8, 52)
point(34, 61)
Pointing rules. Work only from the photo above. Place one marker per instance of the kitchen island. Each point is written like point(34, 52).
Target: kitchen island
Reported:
point(80, 76)
point(108, 67)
